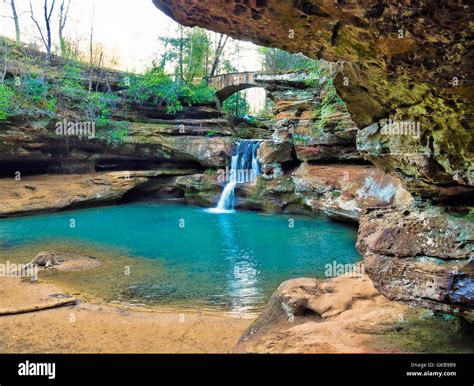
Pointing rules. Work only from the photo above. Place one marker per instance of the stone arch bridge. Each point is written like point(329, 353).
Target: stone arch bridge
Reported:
point(229, 84)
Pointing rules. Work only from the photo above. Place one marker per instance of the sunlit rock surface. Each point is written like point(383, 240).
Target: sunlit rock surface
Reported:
point(50, 193)
point(340, 315)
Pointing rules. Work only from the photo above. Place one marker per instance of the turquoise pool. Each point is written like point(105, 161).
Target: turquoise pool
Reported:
point(230, 261)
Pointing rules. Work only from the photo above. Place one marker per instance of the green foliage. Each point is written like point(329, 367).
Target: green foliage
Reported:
point(301, 138)
point(330, 103)
point(70, 86)
point(99, 107)
point(29, 94)
point(6, 99)
point(188, 53)
point(236, 105)
point(212, 133)
point(318, 71)
point(64, 89)
point(275, 60)
point(64, 92)
point(114, 132)
point(159, 89)
point(202, 93)
point(34, 88)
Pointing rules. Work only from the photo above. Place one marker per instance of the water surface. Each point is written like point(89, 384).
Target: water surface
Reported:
point(184, 255)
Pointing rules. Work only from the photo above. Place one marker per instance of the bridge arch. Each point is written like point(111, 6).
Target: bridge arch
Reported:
point(229, 84)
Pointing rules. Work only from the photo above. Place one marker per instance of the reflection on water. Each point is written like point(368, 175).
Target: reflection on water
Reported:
point(224, 261)
point(242, 274)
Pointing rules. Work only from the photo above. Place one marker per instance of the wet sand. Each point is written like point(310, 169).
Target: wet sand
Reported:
point(94, 328)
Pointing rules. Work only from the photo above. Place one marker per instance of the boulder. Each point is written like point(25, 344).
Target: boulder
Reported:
point(339, 315)
point(199, 189)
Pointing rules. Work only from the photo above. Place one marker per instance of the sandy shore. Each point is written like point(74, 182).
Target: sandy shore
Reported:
point(350, 317)
point(90, 328)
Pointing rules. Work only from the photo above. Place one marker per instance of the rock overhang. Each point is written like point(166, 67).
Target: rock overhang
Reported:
point(406, 60)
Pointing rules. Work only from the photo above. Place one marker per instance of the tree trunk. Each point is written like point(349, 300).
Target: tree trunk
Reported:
point(219, 51)
point(16, 20)
point(44, 259)
point(181, 54)
point(5, 56)
point(63, 16)
point(91, 49)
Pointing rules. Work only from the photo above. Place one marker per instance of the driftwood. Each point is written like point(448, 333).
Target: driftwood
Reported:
point(38, 307)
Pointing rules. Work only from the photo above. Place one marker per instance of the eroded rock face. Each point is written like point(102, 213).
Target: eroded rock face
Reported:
point(311, 117)
point(271, 152)
point(420, 255)
point(406, 62)
point(199, 189)
point(30, 145)
point(344, 191)
point(50, 193)
point(340, 191)
point(339, 315)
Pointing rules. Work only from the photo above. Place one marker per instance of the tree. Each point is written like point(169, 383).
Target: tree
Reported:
point(45, 34)
point(193, 54)
point(237, 104)
point(5, 62)
point(16, 19)
point(188, 53)
point(218, 54)
point(275, 60)
point(63, 17)
point(91, 50)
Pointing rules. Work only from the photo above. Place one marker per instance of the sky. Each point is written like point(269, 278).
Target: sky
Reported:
point(127, 28)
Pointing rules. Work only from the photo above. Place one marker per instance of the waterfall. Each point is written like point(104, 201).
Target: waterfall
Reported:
point(244, 168)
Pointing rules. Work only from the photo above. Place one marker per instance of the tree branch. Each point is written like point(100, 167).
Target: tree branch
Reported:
point(37, 25)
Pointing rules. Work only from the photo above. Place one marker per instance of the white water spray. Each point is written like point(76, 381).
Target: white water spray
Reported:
point(244, 168)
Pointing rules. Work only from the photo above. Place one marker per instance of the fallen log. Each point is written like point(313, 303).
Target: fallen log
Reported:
point(38, 307)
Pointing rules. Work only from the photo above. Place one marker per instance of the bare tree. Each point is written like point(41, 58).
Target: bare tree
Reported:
point(63, 17)
point(5, 57)
point(45, 35)
point(218, 54)
point(16, 18)
point(91, 50)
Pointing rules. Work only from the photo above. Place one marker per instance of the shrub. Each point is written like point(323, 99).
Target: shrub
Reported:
point(6, 99)
point(158, 88)
point(113, 132)
point(34, 89)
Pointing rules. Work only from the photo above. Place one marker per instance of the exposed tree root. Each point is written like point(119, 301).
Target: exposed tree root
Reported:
point(44, 259)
